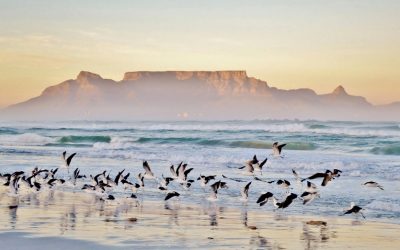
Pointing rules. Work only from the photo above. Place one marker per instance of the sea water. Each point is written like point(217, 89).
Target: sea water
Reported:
point(364, 151)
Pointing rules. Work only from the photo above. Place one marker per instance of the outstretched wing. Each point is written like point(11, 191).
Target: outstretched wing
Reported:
point(69, 159)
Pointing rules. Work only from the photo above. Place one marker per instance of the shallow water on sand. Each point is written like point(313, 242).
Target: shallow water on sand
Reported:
point(152, 224)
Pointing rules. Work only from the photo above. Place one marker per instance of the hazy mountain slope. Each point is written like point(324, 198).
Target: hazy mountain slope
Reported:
point(191, 95)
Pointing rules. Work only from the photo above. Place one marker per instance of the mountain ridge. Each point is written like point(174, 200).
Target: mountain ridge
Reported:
point(224, 94)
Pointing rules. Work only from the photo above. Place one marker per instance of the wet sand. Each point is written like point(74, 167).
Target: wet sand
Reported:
point(78, 220)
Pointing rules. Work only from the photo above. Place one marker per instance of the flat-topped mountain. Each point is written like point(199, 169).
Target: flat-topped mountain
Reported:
point(172, 95)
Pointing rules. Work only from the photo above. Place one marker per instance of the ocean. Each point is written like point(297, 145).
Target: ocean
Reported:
point(364, 151)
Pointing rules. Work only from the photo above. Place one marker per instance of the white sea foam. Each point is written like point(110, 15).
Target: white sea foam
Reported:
point(25, 139)
point(115, 143)
point(383, 206)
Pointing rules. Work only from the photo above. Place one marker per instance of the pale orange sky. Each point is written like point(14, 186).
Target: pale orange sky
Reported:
point(314, 44)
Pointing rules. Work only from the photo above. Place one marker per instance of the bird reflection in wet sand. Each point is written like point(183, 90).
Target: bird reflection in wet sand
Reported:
point(13, 207)
point(315, 234)
point(173, 214)
point(259, 242)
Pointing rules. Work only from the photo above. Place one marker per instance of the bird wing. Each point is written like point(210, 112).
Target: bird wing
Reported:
point(263, 162)
point(317, 175)
point(172, 170)
point(147, 168)
point(170, 195)
point(327, 178)
point(187, 172)
point(280, 147)
point(69, 159)
point(255, 160)
point(245, 191)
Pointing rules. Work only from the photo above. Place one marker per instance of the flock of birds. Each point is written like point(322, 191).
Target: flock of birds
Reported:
point(102, 184)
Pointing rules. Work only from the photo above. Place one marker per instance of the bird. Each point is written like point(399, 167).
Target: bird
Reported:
point(327, 177)
point(256, 164)
point(214, 190)
point(165, 182)
point(296, 175)
point(148, 173)
point(140, 178)
point(182, 172)
point(245, 192)
point(67, 160)
point(289, 199)
point(309, 197)
point(353, 209)
point(283, 183)
point(205, 179)
point(171, 194)
point(336, 173)
point(258, 179)
point(373, 184)
point(311, 187)
point(277, 149)
point(263, 199)
point(248, 169)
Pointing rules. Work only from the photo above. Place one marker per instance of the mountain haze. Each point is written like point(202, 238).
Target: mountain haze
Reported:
point(196, 95)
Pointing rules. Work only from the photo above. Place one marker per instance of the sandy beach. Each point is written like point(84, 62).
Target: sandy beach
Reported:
point(77, 221)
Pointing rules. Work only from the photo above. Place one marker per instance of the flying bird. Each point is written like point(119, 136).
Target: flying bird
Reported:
point(245, 192)
point(67, 160)
point(308, 197)
point(171, 195)
point(277, 149)
point(263, 199)
point(373, 184)
point(289, 199)
point(353, 209)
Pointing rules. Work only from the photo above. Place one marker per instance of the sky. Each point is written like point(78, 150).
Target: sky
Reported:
point(290, 44)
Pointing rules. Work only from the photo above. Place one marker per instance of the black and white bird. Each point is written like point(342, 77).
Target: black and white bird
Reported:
point(277, 149)
point(336, 173)
point(311, 187)
point(67, 160)
point(353, 209)
point(214, 190)
point(204, 179)
point(245, 192)
point(284, 204)
point(256, 164)
point(171, 195)
point(76, 176)
point(183, 173)
point(164, 183)
point(148, 173)
point(247, 169)
point(296, 175)
point(263, 199)
point(327, 177)
point(283, 183)
point(140, 179)
point(308, 197)
point(373, 184)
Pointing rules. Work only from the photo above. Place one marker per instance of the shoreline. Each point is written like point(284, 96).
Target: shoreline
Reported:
point(119, 225)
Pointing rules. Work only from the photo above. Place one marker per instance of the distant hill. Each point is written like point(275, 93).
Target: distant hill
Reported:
point(195, 95)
